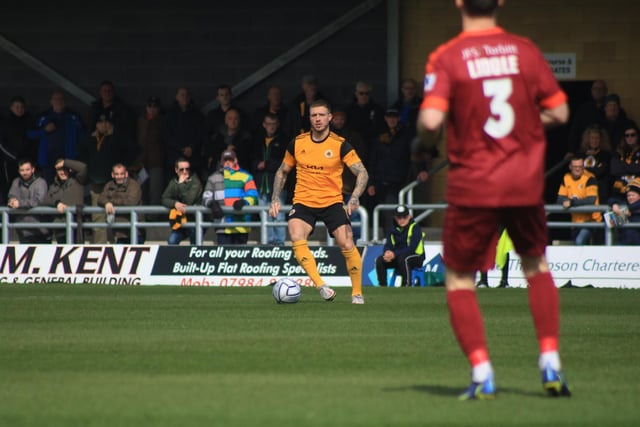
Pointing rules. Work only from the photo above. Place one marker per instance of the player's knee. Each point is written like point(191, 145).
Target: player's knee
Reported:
point(459, 280)
point(532, 265)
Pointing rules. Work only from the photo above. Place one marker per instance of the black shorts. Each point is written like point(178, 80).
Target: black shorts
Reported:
point(333, 216)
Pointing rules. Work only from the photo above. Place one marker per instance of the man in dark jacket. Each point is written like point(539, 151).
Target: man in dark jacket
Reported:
point(231, 136)
point(184, 132)
point(14, 143)
point(151, 156)
point(182, 191)
point(269, 147)
point(120, 191)
point(110, 105)
point(389, 164)
point(365, 115)
point(106, 146)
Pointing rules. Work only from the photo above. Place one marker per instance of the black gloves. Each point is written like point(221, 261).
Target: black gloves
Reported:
point(216, 210)
point(238, 204)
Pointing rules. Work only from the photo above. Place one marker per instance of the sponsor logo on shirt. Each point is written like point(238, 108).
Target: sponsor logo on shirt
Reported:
point(429, 81)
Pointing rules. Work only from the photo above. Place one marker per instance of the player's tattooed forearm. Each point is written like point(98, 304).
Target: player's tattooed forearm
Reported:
point(278, 183)
point(362, 177)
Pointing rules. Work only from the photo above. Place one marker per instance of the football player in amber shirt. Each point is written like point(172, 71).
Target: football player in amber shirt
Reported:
point(319, 157)
point(496, 93)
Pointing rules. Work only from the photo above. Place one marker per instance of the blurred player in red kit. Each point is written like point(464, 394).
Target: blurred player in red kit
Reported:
point(496, 94)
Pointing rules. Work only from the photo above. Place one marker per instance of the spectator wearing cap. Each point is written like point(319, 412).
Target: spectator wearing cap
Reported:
point(403, 249)
point(627, 235)
point(365, 115)
point(59, 131)
point(231, 187)
point(101, 151)
point(151, 151)
point(389, 163)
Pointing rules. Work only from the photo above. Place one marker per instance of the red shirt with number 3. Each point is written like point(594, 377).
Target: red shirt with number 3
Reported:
point(492, 85)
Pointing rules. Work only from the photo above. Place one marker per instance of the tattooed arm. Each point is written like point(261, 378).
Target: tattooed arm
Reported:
point(362, 177)
point(278, 185)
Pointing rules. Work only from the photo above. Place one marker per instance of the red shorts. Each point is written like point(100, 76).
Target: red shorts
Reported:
point(470, 235)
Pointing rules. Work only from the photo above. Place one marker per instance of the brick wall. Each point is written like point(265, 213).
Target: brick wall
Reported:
point(604, 35)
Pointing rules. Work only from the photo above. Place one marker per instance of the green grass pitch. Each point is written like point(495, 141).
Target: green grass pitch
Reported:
point(168, 356)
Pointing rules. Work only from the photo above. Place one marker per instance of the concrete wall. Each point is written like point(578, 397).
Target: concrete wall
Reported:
point(152, 47)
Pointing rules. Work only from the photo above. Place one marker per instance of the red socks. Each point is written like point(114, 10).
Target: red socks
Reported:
point(466, 318)
point(467, 325)
point(544, 303)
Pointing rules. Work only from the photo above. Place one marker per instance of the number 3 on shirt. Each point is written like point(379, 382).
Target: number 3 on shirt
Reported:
point(499, 91)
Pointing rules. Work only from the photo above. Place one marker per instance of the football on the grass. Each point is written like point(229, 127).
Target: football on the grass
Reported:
point(286, 291)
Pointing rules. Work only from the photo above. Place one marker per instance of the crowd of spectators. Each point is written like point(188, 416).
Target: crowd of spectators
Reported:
point(150, 144)
point(604, 160)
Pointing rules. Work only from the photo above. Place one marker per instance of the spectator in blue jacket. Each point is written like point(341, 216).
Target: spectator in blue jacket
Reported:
point(60, 131)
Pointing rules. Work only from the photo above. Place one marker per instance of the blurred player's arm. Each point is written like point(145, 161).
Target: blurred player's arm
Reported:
point(429, 129)
point(557, 116)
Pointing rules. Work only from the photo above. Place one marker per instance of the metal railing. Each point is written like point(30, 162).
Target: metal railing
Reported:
point(549, 209)
point(202, 220)
point(405, 195)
